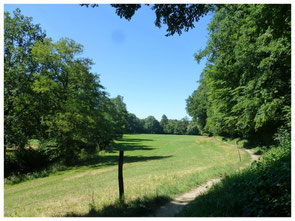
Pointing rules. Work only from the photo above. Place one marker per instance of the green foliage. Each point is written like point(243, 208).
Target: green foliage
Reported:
point(152, 126)
point(181, 126)
point(19, 177)
point(50, 94)
point(245, 92)
point(26, 160)
point(164, 121)
point(246, 85)
point(20, 36)
point(71, 99)
point(192, 129)
point(283, 136)
point(196, 106)
point(134, 125)
point(167, 126)
point(119, 115)
point(177, 17)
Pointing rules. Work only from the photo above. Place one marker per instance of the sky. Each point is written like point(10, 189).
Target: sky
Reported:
point(155, 74)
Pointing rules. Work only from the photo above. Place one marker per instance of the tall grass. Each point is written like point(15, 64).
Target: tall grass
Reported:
point(156, 169)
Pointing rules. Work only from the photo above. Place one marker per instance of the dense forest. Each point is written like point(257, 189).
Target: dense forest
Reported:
point(245, 89)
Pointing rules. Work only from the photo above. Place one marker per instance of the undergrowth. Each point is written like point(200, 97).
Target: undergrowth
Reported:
point(18, 177)
point(263, 190)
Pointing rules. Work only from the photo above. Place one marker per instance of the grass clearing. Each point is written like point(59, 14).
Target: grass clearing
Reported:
point(156, 169)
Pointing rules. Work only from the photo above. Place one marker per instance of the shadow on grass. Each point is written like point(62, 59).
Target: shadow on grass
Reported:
point(130, 144)
point(141, 207)
point(129, 147)
point(98, 161)
point(94, 160)
point(110, 160)
point(136, 139)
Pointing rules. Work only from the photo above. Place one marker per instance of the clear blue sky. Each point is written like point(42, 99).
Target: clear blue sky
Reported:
point(134, 59)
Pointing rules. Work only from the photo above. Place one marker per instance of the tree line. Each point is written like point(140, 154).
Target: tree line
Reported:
point(245, 89)
point(151, 125)
point(51, 95)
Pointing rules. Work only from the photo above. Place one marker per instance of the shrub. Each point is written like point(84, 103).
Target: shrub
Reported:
point(28, 160)
point(192, 129)
point(17, 177)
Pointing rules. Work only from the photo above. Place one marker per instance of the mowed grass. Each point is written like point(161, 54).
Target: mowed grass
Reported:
point(155, 166)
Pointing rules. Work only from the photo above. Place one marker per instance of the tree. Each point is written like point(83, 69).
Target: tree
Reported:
point(119, 116)
point(135, 125)
point(169, 128)
point(164, 120)
point(50, 93)
point(180, 126)
point(20, 35)
point(177, 17)
point(197, 105)
point(248, 72)
point(151, 125)
point(192, 129)
point(71, 102)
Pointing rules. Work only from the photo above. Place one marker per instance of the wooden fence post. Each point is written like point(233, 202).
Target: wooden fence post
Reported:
point(238, 151)
point(120, 177)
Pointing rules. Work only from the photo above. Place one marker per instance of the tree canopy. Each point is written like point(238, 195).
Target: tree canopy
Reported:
point(166, 126)
point(51, 94)
point(177, 17)
point(20, 35)
point(245, 90)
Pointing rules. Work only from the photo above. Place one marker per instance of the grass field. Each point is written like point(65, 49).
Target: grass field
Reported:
point(156, 169)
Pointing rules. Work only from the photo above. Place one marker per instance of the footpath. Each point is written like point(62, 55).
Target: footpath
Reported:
point(175, 206)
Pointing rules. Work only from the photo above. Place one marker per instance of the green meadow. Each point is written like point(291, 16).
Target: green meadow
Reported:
point(156, 169)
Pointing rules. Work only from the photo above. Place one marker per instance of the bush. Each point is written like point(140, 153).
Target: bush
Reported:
point(28, 160)
point(17, 177)
point(271, 185)
point(283, 137)
point(192, 129)
point(10, 164)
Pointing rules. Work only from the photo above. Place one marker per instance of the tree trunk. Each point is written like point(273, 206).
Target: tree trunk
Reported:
point(4, 149)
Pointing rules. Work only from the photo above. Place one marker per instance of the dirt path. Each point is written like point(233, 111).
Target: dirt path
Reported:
point(175, 206)
point(253, 156)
